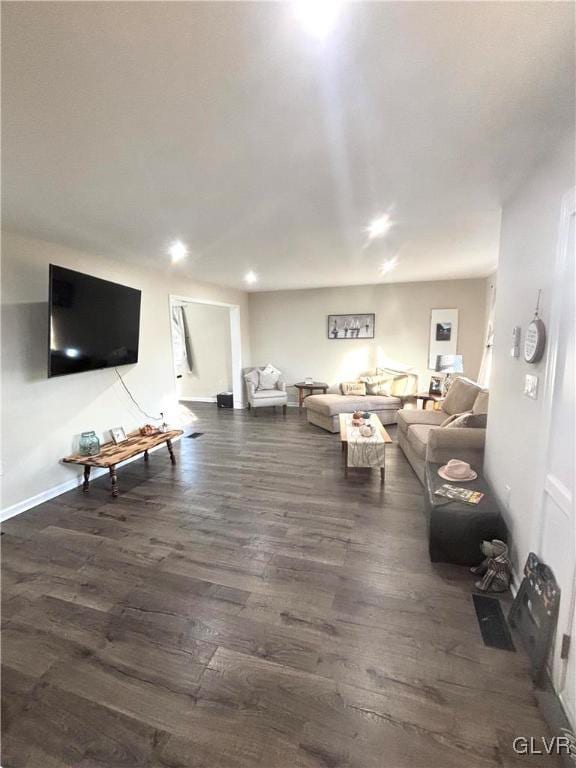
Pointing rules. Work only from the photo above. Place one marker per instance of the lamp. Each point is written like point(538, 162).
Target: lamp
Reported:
point(449, 364)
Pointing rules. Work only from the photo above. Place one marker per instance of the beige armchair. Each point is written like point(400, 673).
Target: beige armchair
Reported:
point(259, 395)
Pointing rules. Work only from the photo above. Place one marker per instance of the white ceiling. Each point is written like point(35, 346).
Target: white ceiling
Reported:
point(126, 125)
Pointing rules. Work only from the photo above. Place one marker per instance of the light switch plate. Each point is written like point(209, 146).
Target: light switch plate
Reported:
point(515, 348)
point(531, 386)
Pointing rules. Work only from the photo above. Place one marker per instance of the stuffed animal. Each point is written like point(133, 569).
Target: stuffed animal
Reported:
point(495, 568)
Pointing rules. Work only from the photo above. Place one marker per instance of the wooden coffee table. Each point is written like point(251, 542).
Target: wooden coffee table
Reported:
point(112, 454)
point(305, 389)
point(376, 424)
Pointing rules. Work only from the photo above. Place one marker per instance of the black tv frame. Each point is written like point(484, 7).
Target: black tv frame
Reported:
point(49, 339)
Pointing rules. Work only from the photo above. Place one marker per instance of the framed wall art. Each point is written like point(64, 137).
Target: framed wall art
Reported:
point(351, 326)
point(443, 334)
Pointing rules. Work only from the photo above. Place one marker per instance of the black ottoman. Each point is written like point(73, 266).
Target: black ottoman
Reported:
point(456, 529)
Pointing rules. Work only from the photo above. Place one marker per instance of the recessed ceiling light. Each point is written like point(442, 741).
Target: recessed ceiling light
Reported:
point(177, 250)
point(389, 265)
point(251, 277)
point(379, 227)
point(318, 17)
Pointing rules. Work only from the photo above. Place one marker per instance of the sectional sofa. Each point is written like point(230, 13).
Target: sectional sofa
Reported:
point(381, 392)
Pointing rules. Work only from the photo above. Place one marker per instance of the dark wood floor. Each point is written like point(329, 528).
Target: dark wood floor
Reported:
point(248, 607)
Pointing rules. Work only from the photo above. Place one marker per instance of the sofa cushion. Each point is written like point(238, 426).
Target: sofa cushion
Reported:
point(418, 438)
point(452, 418)
point(266, 394)
point(252, 377)
point(332, 405)
point(461, 396)
point(408, 416)
point(481, 402)
point(377, 385)
point(382, 403)
point(353, 388)
point(474, 420)
point(268, 380)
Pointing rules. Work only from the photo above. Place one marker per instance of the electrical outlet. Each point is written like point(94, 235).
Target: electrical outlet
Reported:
point(531, 386)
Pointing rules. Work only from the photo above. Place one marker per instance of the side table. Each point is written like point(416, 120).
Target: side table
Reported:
point(427, 397)
point(305, 389)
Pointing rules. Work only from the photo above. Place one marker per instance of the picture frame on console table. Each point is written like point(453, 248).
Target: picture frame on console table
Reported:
point(359, 326)
point(118, 435)
point(435, 387)
point(443, 334)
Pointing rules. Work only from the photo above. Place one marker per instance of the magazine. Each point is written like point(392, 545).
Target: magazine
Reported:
point(459, 494)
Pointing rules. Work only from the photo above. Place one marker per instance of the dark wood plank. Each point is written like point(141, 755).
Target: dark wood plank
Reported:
point(248, 607)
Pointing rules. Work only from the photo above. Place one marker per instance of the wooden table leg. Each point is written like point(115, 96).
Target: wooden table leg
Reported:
point(171, 450)
point(114, 481)
point(86, 484)
point(145, 455)
point(382, 475)
point(345, 456)
point(300, 398)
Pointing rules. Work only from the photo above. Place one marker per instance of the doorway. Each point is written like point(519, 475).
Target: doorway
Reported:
point(206, 349)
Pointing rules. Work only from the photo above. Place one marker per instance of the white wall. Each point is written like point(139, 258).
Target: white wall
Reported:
point(209, 332)
point(289, 328)
point(41, 417)
point(530, 222)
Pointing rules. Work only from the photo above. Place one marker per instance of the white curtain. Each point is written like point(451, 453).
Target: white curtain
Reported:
point(181, 341)
point(486, 364)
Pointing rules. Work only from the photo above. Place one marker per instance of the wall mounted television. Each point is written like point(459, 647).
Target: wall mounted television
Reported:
point(93, 323)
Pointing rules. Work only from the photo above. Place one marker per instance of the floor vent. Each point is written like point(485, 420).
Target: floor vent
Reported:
point(493, 626)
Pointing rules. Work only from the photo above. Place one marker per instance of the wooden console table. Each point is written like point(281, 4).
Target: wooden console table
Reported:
point(112, 454)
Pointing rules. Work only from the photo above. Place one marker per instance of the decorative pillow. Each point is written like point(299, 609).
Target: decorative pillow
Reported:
point(474, 420)
point(461, 396)
point(252, 378)
point(377, 385)
point(268, 380)
point(353, 388)
point(271, 369)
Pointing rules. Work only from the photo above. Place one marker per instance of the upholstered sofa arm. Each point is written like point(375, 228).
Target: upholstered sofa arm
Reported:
point(250, 388)
point(456, 443)
point(404, 384)
point(281, 385)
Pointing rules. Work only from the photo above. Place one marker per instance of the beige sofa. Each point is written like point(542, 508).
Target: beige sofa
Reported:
point(324, 410)
point(422, 438)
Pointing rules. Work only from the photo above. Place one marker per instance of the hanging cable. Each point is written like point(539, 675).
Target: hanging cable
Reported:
point(131, 396)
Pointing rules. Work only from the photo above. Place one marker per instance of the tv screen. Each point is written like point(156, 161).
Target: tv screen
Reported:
point(93, 323)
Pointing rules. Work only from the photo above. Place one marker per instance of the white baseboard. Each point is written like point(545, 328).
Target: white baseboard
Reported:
point(67, 485)
point(196, 399)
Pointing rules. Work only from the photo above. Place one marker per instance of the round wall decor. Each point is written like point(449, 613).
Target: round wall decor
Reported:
point(534, 341)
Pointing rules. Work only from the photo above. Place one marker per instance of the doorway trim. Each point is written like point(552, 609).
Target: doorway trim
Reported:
point(235, 339)
point(563, 496)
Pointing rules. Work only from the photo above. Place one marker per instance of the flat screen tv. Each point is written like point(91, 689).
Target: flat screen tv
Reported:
point(93, 323)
